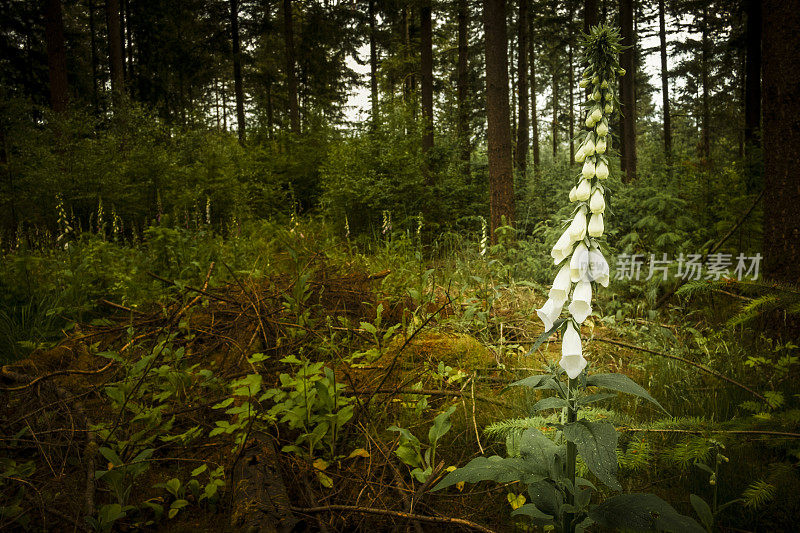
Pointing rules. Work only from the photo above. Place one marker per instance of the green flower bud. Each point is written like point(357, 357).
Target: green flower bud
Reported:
point(584, 83)
point(609, 108)
point(596, 80)
point(621, 71)
point(596, 114)
point(602, 129)
point(604, 85)
point(596, 96)
point(600, 146)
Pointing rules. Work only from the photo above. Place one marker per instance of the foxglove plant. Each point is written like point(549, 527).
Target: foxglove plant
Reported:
point(558, 497)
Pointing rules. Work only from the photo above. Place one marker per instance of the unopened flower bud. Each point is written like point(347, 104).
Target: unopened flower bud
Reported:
point(621, 71)
point(596, 80)
point(597, 204)
point(583, 191)
point(601, 146)
point(602, 129)
point(609, 108)
point(584, 83)
point(596, 96)
point(588, 169)
point(588, 147)
point(604, 85)
point(596, 114)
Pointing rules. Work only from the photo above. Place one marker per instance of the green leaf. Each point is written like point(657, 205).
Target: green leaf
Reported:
point(441, 425)
point(540, 381)
point(111, 456)
point(642, 512)
point(621, 383)
point(494, 468)
point(703, 510)
point(597, 444)
point(553, 402)
point(532, 512)
point(546, 335)
point(591, 398)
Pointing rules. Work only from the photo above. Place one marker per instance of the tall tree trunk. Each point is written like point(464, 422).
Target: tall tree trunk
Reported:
point(522, 73)
point(56, 56)
point(537, 160)
point(752, 95)
point(781, 129)
point(571, 83)
point(237, 70)
point(501, 176)
point(291, 76)
point(426, 77)
point(706, 113)
point(462, 82)
point(93, 45)
point(628, 83)
point(589, 15)
point(555, 111)
point(115, 52)
point(662, 35)
point(122, 25)
point(127, 41)
point(373, 64)
point(512, 67)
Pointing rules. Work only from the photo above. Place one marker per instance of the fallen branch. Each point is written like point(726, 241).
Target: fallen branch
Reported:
point(16, 376)
point(688, 362)
point(398, 514)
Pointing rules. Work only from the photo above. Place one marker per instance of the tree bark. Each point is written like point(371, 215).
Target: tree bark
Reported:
point(373, 63)
point(238, 89)
point(291, 76)
point(571, 82)
point(501, 177)
point(537, 160)
point(93, 45)
point(555, 110)
point(752, 96)
point(426, 78)
point(662, 35)
point(462, 82)
point(705, 133)
point(522, 73)
point(56, 56)
point(781, 137)
point(628, 84)
point(115, 52)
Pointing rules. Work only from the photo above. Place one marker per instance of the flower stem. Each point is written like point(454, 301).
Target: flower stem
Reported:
point(572, 454)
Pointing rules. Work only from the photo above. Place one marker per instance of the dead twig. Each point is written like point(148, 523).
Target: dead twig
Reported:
point(16, 376)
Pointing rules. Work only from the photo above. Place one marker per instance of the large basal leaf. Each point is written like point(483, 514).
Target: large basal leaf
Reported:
point(621, 383)
point(642, 512)
point(532, 512)
point(597, 444)
point(441, 425)
point(494, 468)
point(553, 402)
point(541, 454)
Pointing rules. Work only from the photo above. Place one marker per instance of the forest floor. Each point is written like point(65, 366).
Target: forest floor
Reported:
point(300, 402)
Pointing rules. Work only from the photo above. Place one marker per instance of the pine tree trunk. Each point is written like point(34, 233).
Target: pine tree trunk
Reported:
point(462, 81)
point(115, 52)
point(537, 159)
point(662, 35)
point(426, 78)
point(555, 112)
point(752, 96)
point(291, 76)
point(781, 137)
point(628, 89)
point(522, 73)
point(501, 177)
point(237, 70)
point(127, 40)
point(706, 113)
point(571, 82)
point(56, 56)
point(122, 26)
point(93, 45)
point(373, 64)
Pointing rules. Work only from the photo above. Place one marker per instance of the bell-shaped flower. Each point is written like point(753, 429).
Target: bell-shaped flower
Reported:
point(580, 155)
point(583, 191)
point(601, 171)
point(588, 169)
point(581, 305)
point(597, 204)
point(550, 312)
point(596, 96)
point(601, 145)
point(562, 248)
point(572, 192)
point(596, 227)
point(579, 263)
point(588, 147)
point(561, 285)
point(597, 268)
point(572, 360)
point(577, 229)
point(602, 129)
point(596, 114)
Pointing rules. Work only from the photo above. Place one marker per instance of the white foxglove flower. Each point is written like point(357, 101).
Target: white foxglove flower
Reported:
point(577, 229)
point(596, 96)
point(598, 268)
point(602, 129)
point(590, 122)
point(550, 312)
point(583, 191)
point(579, 263)
point(596, 227)
point(572, 197)
point(588, 169)
point(572, 360)
point(580, 155)
point(588, 147)
point(601, 145)
point(561, 285)
point(609, 108)
point(597, 204)
point(581, 305)
point(562, 248)
point(596, 114)
point(601, 171)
